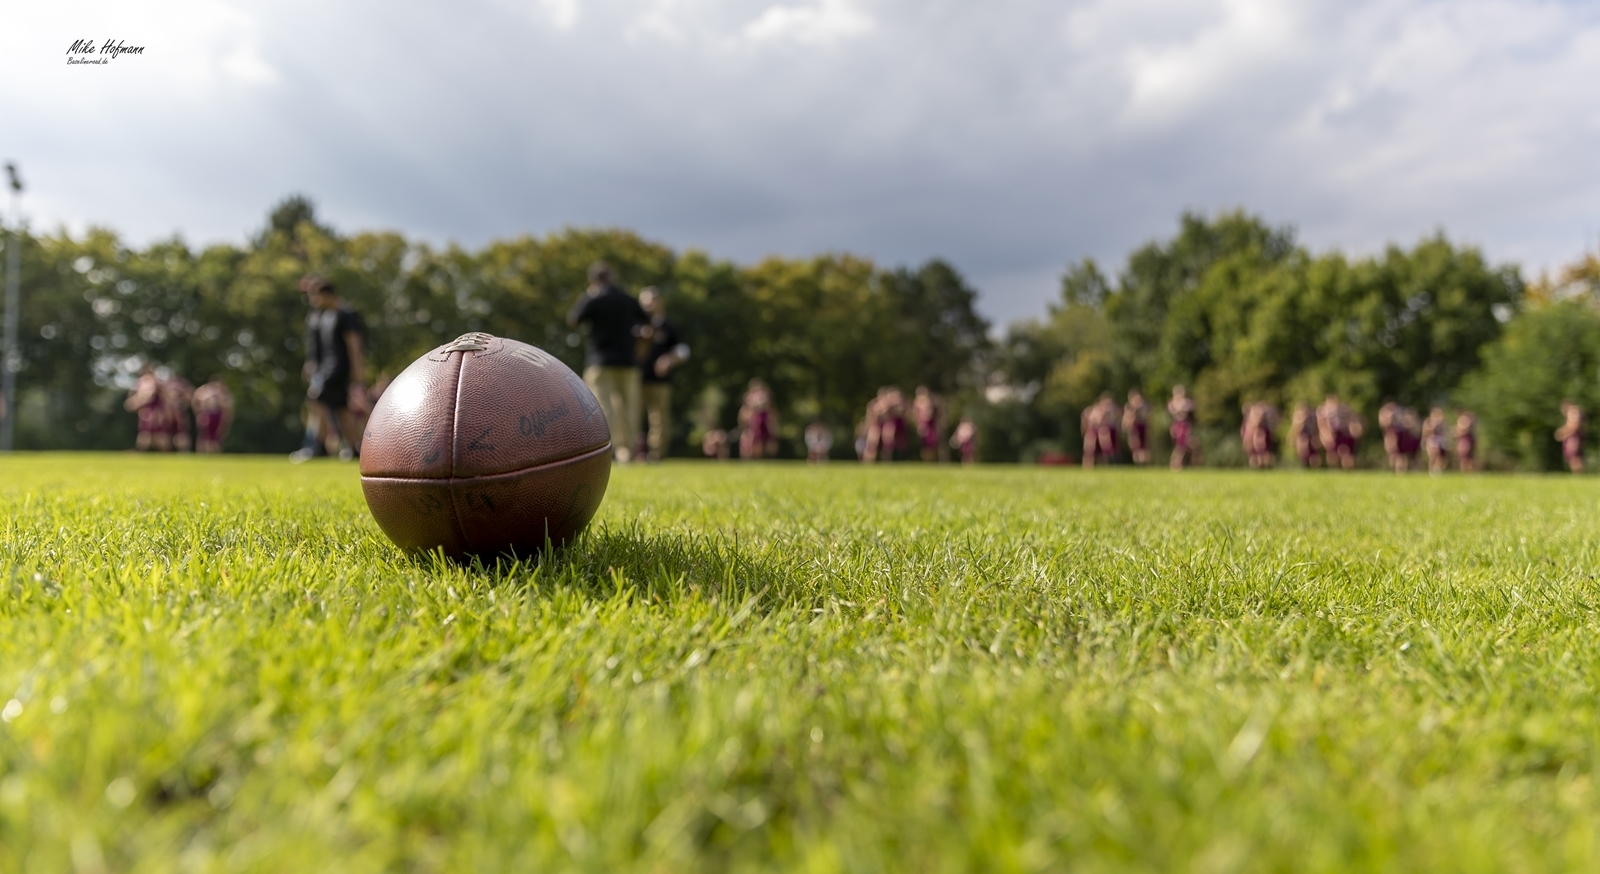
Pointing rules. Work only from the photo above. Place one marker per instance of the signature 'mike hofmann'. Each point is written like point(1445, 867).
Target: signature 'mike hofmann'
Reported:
point(84, 51)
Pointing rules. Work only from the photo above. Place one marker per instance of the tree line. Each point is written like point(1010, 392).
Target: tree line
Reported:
point(1232, 307)
point(824, 332)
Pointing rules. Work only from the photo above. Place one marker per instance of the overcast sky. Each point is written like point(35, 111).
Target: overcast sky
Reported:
point(1007, 137)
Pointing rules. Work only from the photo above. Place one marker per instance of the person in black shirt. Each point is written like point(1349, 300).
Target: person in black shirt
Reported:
point(335, 366)
point(664, 351)
point(611, 369)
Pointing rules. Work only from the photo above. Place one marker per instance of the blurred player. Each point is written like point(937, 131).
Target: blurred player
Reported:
point(213, 414)
point(1180, 409)
point(335, 368)
point(898, 412)
point(1571, 436)
point(758, 422)
point(177, 396)
point(1100, 423)
point(1303, 430)
point(664, 350)
point(1136, 424)
point(965, 441)
point(1391, 423)
point(1256, 432)
point(146, 399)
point(885, 424)
point(927, 411)
point(1466, 441)
point(1433, 441)
point(819, 441)
point(1339, 429)
point(715, 444)
point(611, 368)
point(1410, 436)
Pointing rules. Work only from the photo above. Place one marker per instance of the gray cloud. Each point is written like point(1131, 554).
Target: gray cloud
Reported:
point(1010, 138)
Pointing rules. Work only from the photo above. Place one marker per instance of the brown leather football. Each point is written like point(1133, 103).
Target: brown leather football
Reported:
point(485, 445)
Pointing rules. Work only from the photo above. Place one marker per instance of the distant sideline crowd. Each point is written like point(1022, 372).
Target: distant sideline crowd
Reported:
point(1327, 435)
point(163, 401)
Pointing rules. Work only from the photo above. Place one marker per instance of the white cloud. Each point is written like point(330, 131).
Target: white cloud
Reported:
point(560, 14)
point(563, 13)
point(822, 23)
point(1170, 80)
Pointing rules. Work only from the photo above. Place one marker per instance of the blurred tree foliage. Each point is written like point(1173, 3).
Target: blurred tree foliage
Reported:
point(824, 332)
point(1236, 310)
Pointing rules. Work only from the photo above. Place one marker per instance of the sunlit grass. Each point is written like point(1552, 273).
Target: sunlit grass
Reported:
point(222, 665)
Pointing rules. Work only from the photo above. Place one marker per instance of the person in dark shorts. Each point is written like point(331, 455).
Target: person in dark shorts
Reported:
point(611, 368)
point(664, 350)
point(335, 368)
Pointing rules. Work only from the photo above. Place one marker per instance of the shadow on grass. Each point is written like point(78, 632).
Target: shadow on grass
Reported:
point(662, 567)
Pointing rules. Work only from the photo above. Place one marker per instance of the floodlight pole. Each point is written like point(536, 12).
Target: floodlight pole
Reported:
point(10, 355)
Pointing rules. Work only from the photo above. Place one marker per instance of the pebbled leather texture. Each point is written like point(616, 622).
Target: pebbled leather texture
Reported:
point(483, 445)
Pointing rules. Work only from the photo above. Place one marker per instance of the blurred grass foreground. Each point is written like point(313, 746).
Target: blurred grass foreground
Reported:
point(221, 665)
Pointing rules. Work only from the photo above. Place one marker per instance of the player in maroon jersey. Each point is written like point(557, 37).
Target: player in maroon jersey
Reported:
point(1434, 441)
point(177, 395)
point(1100, 422)
point(1303, 430)
point(1466, 441)
point(758, 420)
point(1260, 444)
point(1339, 428)
point(1136, 425)
point(147, 400)
point(1180, 409)
point(213, 414)
point(927, 412)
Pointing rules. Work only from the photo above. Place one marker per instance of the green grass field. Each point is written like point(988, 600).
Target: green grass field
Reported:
point(221, 665)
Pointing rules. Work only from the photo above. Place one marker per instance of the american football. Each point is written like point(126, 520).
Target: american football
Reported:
point(485, 445)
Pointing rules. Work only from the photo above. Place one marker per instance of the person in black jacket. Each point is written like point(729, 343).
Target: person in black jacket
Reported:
point(611, 369)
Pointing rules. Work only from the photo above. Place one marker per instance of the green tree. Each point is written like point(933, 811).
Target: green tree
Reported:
point(1046, 371)
point(1548, 354)
point(1160, 276)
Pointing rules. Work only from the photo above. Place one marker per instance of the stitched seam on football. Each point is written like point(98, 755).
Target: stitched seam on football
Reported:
point(487, 476)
